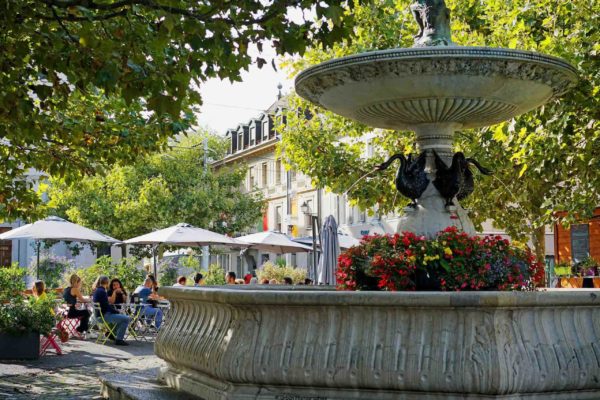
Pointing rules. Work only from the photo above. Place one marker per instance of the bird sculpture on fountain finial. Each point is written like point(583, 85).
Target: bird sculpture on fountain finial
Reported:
point(433, 18)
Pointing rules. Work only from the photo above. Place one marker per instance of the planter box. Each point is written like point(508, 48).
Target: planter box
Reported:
point(224, 343)
point(20, 347)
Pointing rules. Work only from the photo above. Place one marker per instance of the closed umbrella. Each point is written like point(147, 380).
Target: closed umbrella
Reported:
point(273, 242)
point(184, 235)
point(330, 250)
point(55, 228)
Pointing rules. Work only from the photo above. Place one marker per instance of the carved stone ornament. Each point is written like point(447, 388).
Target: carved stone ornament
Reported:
point(435, 84)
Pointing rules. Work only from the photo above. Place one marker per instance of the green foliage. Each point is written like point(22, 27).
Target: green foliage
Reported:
point(168, 275)
point(214, 276)
point(544, 161)
point(12, 282)
point(191, 262)
point(159, 191)
point(16, 315)
point(126, 270)
point(280, 262)
point(86, 84)
point(52, 269)
point(272, 271)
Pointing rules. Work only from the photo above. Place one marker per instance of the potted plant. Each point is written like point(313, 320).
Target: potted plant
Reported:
point(21, 320)
point(452, 261)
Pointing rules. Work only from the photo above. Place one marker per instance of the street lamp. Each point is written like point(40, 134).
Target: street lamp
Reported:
point(314, 223)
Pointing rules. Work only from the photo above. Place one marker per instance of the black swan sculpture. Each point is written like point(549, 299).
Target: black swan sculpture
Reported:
point(457, 179)
point(411, 179)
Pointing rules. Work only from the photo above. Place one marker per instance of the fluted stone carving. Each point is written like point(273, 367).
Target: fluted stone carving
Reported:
point(252, 344)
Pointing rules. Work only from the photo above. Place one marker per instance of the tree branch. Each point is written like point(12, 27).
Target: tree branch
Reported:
point(62, 25)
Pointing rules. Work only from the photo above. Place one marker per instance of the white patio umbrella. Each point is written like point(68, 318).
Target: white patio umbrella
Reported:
point(273, 242)
point(55, 228)
point(330, 251)
point(345, 241)
point(184, 235)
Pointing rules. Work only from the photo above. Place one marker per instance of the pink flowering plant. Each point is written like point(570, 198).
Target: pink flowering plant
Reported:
point(452, 261)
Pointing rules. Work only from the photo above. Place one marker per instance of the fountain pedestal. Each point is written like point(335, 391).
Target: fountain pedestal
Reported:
point(431, 215)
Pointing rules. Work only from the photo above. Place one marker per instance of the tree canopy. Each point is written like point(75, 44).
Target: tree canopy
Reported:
point(545, 161)
point(158, 191)
point(88, 83)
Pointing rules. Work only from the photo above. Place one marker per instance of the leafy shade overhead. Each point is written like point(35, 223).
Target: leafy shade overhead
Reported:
point(159, 191)
point(545, 161)
point(87, 83)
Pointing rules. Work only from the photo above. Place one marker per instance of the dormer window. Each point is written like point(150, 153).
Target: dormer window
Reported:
point(252, 135)
point(265, 129)
point(240, 140)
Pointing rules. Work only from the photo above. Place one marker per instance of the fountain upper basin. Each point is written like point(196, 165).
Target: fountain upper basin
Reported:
point(466, 87)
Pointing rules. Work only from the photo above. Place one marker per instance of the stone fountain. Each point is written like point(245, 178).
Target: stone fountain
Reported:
point(301, 343)
point(435, 89)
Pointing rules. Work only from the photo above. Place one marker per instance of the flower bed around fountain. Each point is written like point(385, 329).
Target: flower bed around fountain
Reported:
point(453, 260)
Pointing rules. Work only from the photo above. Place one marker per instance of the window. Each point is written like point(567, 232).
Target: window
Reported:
point(252, 135)
point(251, 182)
point(362, 216)
point(294, 260)
point(240, 141)
point(309, 223)
point(292, 175)
point(265, 129)
point(278, 172)
point(265, 175)
point(278, 218)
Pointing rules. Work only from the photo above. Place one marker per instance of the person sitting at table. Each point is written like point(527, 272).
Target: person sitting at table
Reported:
point(154, 283)
point(198, 279)
point(144, 293)
point(116, 293)
point(181, 281)
point(73, 296)
point(230, 278)
point(110, 314)
point(39, 290)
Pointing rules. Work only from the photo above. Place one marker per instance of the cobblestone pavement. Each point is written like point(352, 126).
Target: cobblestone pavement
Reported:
point(74, 375)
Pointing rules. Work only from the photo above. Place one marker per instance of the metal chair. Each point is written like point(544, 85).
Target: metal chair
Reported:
point(106, 329)
point(68, 324)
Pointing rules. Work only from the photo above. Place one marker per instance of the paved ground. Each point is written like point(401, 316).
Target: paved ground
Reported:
point(74, 375)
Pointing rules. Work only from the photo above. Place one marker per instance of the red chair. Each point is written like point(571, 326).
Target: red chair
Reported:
point(46, 342)
point(69, 324)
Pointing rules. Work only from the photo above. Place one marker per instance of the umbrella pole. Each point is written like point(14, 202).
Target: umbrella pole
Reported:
point(155, 251)
point(37, 267)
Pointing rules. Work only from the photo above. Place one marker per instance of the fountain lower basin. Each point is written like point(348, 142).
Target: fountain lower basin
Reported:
point(230, 343)
point(466, 87)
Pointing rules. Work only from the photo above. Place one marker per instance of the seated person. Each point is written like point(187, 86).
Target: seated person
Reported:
point(144, 293)
point(39, 291)
point(73, 296)
point(111, 315)
point(116, 293)
point(230, 278)
point(181, 281)
point(198, 279)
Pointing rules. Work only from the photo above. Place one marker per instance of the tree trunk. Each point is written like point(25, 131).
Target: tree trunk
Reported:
point(538, 238)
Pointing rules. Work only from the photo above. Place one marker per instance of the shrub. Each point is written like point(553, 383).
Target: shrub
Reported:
point(271, 271)
point(52, 269)
point(168, 275)
point(214, 276)
point(16, 315)
point(452, 261)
